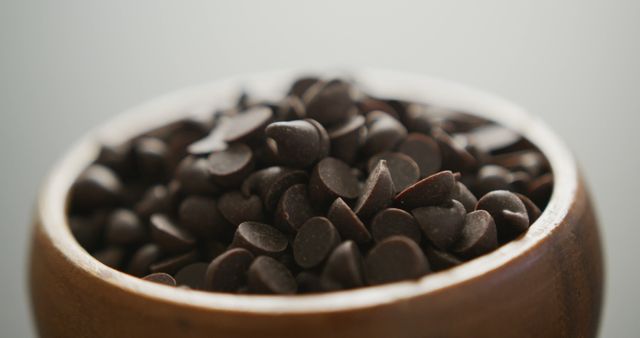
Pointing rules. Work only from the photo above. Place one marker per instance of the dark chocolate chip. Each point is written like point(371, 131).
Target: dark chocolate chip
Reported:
point(347, 222)
point(377, 192)
point(478, 235)
point(540, 190)
point(300, 86)
point(384, 133)
point(331, 178)
point(532, 210)
point(441, 260)
point(160, 278)
point(228, 272)
point(417, 119)
point(211, 249)
point(192, 275)
point(270, 183)
point(195, 178)
point(96, 187)
point(124, 228)
point(490, 178)
point(212, 142)
point(267, 275)
point(259, 238)
point(172, 264)
point(508, 212)
point(395, 259)
point(200, 215)
point(442, 225)
point(231, 166)
point(155, 200)
point(325, 142)
point(344, 266)
point(454, 156)
point(424, 151)
point(170, 237)
point(111, 256)
point(118, 158)
point(248, 126)
point(404, 170)
point(463, 195)
point(530, 161)
point(294, 208)
point(142, 259)
point(369, 104)
point(394, 222)
point(347, 137)
point(296, 143)
point(151, 157)
point(493, 138)
point(88, 230)
point(433, 190)
point(236, 208)
point(314, 242)
point(308, 282)
point(331, 104)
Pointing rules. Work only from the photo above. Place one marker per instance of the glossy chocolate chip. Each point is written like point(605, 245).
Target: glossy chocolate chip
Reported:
point(433, 190)
point(248, 126)
point(532, 209)
point(314, 242)
point(331, 104)
point(154, 201)
point(151, 157)
point(394, 222)
point(96, 187)
point(301, 85)
point(463, 195)
point(195, 177)
point(267, 275)
point(346, 138)
point(228, 272)
point(425, 151)
point(118, 158)
point(377, 192)
point(454, 156)
point(200, 215)
point(345, 266)
point(270, 183)
point(124, 228)
point(441, 260)
point(540, 190)
point(296, 143)
point(347, 222)
point(508, 212)
point(141, 261)
point(294, 208)
point(442, 225)
point(491, 177)
point(404, 171)
point(395, 259)
point(417, 119)
point(478, 235)
point(231, 166)
point(160, 278)
point(331, 178)
point(236, 208)
point(384, 133)
point(192, 275)
point(172, 264)
point(259, 238)
point(169, 236)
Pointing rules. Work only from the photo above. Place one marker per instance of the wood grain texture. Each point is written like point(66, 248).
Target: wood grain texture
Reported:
point(547, 283)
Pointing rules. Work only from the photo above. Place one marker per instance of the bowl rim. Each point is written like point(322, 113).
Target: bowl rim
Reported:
point(197, 100)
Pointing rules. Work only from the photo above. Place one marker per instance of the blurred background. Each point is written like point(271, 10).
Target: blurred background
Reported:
point(66, 66)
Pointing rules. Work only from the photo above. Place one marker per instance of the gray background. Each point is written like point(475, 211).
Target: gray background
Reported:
point(66, 66)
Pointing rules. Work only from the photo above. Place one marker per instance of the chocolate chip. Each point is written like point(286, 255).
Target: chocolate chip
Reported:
point(294, 208)
point(377, 193)
point(151, 157)
point(296, 143)
point(142, 259)
point(442, 225)
point(384, 133)
point(228, 272)
point(195, 178)
point(88, 230)
point(331, 104)
point(345, 266)
point(300, 86)
point(308, 282)
point(394, 222)
point(200, 215)
point(124, 228)
point(212, 248)
point(314, 241)
point(463, 195)
point(540, 190)
point(424, 151)
point(395, 259)
point(433, 190)
point(478, 235)
point(160, 278)
point(155, 200)
point(369, 104)
point(231, 166)
point(441, 260)
point(492, 177)
point(172, 264)
point(169, 236)
point(532, 210)
point(454, 156)
point(96, 187)
point(212, 142)
point(530, 161)
point(508, 212)
point(404, 171)
point(248, 126)
point(347, 137)
point(347, 222)
point(118, 158)
point(493, 138)
point(325, 142)
point(259, 238)
point(417, 119)
point(267, 275)
point(270, 183)
point(111, 256)
point(192, 275)
point(330, 179)
point(237, 209)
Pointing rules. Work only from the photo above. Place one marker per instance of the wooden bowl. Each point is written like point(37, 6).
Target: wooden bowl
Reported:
point(548, 283)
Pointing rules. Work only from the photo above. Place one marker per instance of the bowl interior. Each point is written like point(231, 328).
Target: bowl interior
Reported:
point(204, 99)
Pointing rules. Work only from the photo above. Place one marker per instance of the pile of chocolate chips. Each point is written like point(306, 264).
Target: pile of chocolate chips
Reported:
point(327, 189)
